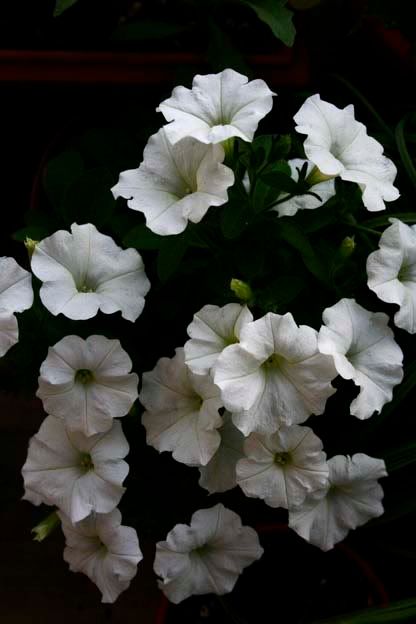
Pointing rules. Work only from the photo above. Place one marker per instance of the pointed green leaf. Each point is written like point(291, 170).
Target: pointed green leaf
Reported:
point(277, 17)
point(62, 5)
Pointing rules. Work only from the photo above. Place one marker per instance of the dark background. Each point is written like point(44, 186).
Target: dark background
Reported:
point(109, 85)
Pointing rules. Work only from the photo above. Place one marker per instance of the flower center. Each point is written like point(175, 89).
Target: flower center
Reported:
point(405, 272)
point(85, 288)
point(274, 361)
point(84, 376)
point(86, 462)
point(202, 550)
point(281, 459)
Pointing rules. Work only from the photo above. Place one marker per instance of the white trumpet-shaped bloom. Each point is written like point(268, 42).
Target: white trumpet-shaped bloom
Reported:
point(283, 468)
point(219, 474)
point(87, 382)
point(175, 183)
point(325, 190)
point(352, 498)
point(218, 107)
point(275, 375)
point(85, 271)
point(206, 557)
point(391, 272)
point(364, 350)
point(340, 146)
point(16, 295)
point(77, 474)
point(181, 411)
point(212, 329)
point(103, 549)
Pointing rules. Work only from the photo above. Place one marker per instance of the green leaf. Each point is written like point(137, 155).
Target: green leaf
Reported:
point(403, 151)
point(89, 198)
point(234, 218)
point(277, 17)
point(279, 293)
point(400, 457)
point(275, 178)
point(35, 232)
point(145, 30)
point(60, 173)
point(62, 5)
point(171, 255)
point(141, 237)
point(222, 53)
point(297, 239)
point(400, 611)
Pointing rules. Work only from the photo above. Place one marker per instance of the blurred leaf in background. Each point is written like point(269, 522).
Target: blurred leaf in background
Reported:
point(275, 14)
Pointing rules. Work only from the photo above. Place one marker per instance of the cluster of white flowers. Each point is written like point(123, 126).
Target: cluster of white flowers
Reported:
point(234, 399)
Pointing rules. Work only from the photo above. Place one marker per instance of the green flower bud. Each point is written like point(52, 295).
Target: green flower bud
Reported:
point(347, 246)
point(241, 290)
point(46, 526)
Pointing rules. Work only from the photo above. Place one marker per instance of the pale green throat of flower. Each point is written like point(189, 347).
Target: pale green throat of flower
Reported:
point(84, 376)
point(86, 462)
point(281, 459)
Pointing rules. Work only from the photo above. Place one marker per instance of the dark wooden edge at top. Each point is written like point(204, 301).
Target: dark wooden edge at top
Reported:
point(286, 66)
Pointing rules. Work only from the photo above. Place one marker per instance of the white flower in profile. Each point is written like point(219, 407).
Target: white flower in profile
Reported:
point(86, 271)
point(16, 295)
point(275, 375)
point(218, 107)
point(364, 350)
point(283, 468)
point(77, 474)
point(391, 272)
point(87, 382)
point(219, 475)
point(212, 329)
point(339, 146)
point(175, 184)
point(352, 498)
point(103, 549)
point(181, 411)
point(325, 190)
point(206, 557)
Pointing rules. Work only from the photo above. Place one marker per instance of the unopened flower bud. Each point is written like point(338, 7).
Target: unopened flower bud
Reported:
point(241, 290)
point(347, 246)
point(45, 527)
point(30, 245)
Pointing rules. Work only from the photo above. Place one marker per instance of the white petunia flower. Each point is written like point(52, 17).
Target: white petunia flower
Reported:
point(87, 382)
point(212, 329)
point(325, 190)
point(391, 272)
point(206, 557)
point(86, 271)
point(77, 474)
point(175, 184)
point(16, 295)
point(219, 474)
point(104, 550)
point(351, 499)
point(364, 350)
point(218, 107)
point(275, 376)
point(339, 146)
point(181, 411)
point(284, 467)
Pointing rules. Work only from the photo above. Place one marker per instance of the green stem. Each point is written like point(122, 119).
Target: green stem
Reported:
point(403, 151)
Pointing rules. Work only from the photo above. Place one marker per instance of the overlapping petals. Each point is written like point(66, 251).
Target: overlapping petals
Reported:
point(175, 184)
point(325, 190)
point(87, 382)
point(339, 146)
point(284, 467)
point(275, 375)
point(77, 474)
point(104, 550)
point(364, 350)
point(391, 272)
point(218, 107)
point(352, 498)
point(86, 271)
point(181, 411)
point(206, 557)
point(219, 475)
point(212, 329)
point(16, 295)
